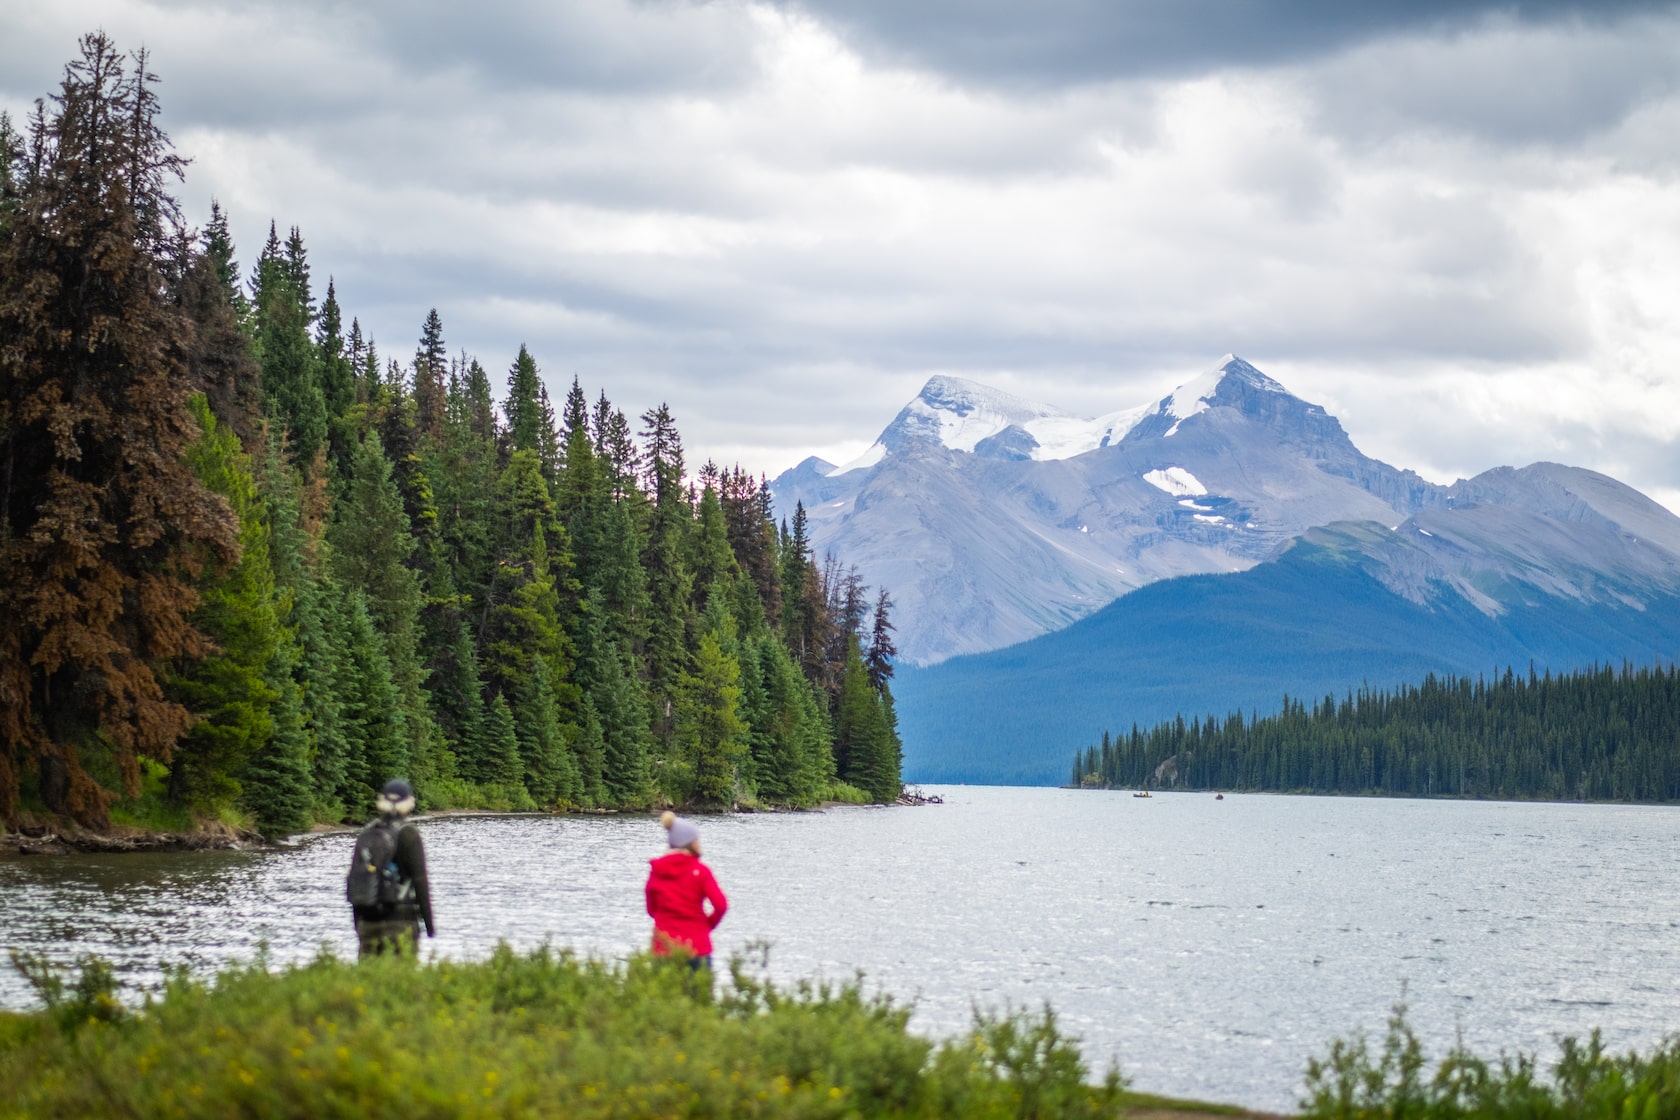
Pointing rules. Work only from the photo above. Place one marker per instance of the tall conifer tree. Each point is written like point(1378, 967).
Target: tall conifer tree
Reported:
point(282, 312)
point(103, 528)
point(229, 691)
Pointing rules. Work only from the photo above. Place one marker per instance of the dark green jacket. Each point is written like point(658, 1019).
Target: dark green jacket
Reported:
point(411, 868)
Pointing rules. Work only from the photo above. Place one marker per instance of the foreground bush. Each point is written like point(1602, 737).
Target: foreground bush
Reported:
point(538, 1035)
point(1585, 1083)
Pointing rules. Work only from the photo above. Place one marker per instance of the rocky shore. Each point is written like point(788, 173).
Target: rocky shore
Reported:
point(51, 840)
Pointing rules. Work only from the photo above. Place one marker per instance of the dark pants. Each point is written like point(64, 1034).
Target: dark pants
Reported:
point(399, 938)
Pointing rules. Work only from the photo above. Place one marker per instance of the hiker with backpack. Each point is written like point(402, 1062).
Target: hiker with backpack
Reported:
point(678, 888)
point(386, 885)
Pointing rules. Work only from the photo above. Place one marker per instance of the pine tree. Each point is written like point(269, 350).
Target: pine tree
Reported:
point(710, 558)
point(882, 651)
point(524, 406)
point(229, 691)
point(281, 313)
point(375, 728)
point(506, 768)
point(710, 736)
point(793, 761)
point(103, 528)
point(615, 699)
point(668, 579)
point(305, 582)
point(591, 753)
point(431, 362)
point(522, 625)
point(220, 354)
point(580, 494)
point(372, 549)
point(866, 749)
point(218, 251)
point(551, 773)
point(12, 168)
point(336, 365)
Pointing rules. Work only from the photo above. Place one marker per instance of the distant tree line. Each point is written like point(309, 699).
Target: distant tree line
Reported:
point(250, 564)
point(1597, 734)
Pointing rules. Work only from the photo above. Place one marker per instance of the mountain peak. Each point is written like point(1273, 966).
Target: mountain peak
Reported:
point(1226, 379)
point(1233, 383)
point(1232, 366)
point(963, 415)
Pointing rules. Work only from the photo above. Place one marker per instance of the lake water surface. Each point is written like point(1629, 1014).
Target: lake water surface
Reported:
point(1210, 947)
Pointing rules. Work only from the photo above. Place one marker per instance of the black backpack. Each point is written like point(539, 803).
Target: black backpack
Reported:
point(374, 885)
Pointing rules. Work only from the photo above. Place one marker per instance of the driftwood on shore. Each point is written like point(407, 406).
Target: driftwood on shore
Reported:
point(43, 841)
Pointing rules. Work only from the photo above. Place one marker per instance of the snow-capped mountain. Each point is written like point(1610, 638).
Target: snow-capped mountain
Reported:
point(1543, 568)
point(993, 519)
point(967, 416)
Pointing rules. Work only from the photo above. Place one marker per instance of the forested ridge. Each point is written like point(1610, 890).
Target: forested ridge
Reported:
point(249, 565)
point(1597, 734)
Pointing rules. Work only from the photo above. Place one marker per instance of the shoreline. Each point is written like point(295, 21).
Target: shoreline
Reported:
point(63, 838)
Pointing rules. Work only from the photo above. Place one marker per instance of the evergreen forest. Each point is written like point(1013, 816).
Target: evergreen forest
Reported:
point(251, 567)
point(1601, 734)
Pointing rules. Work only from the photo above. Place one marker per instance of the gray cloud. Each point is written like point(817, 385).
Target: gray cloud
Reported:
point(1448, 223)
point(1052, 43)
point(1510, 83)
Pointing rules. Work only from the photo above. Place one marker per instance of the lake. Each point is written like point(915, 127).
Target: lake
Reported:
point(1210, 947)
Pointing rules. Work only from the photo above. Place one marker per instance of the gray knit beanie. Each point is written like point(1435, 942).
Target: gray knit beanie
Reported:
point(683, 831)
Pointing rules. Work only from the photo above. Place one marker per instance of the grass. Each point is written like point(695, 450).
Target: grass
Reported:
point(538, 1034)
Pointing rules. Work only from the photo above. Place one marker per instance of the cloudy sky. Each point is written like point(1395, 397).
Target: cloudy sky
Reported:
point(1456, 225)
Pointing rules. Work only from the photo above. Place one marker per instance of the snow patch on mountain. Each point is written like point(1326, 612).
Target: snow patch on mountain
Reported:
point(868, 459)
point(961, 415)
point(1195, 397)
point(1176, 480)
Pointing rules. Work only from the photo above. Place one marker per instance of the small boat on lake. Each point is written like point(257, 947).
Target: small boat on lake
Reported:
point(1141, 793)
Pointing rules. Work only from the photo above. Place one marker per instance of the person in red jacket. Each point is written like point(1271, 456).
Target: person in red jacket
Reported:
point(678, 888)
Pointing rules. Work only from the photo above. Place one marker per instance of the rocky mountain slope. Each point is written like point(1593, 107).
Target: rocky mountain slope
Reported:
point(993, 520)
point(1548, 566)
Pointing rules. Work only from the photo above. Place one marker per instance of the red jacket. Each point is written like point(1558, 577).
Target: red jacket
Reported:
point(678, 888)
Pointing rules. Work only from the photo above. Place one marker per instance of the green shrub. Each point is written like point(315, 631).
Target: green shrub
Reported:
point(1586, 1083)
point(539, 1034)
point(844, 794)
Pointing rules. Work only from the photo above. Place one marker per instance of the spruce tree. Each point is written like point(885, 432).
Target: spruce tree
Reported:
point(431, 363)
point(591, 753)
point(710, 559)
point(335, 362)
point(372, 549)
point(220, 355)
point(304, 579)
point(710, 736)
point(524, 406)
point(282, 313)
point(12, 168)
point(103, 528)
point(616, 700)
point(882, 651)
point(375, 727)
point(866, 749)
point(580, 493)
point(218, 251)
point(668, 579)
point(551, 773)
point(230, 691)
point(506, 768)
